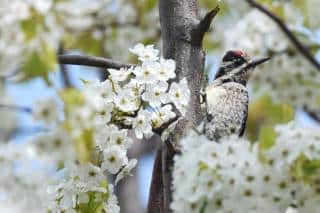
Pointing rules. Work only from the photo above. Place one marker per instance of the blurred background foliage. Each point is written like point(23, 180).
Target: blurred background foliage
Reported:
point(33, 34)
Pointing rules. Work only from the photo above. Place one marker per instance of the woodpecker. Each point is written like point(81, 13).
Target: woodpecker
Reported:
point(226, 98)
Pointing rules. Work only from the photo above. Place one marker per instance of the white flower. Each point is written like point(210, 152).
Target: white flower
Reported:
point(92, 176)
point(142, 124)
point(155, 94)
point(110, 135)
point(56, 145)
point(111, 206)
point(120, 138)
point(166, 69)
point(103, 115)
point(135, 88)
point(42, 6)
point(81, 117)
point(72, 189)
point(179, 94)
point(107, 90)
point(120, 75)
point(162, 115)
point(46, 111)
point(97, 93)
point(125, 101)
point(147, 73)
point(224, 174)
point(114, 158)
point(126, 171)
point(145, 53)
point(20, 10)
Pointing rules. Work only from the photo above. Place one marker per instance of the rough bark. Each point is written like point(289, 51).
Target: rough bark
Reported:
point(182, 34)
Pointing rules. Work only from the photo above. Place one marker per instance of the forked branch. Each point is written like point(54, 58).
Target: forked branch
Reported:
point(299, 46)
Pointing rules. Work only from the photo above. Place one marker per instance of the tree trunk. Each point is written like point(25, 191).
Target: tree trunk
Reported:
point(182, 34)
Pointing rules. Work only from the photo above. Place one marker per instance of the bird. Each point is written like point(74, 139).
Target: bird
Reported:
point(226, 98)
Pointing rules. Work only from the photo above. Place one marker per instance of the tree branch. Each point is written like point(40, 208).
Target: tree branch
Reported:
point(204, 24)
point(63, 69)
point(17, 108)
point(182, 34)
point(156, 201)
point(92, 61)
point(299, 46)
point(315, 115)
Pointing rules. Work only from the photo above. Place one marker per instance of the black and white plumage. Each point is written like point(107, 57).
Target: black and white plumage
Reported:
point(227, 97)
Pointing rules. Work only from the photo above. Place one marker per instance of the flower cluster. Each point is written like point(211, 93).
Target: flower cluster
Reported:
point(23, 181)
point(32, 29)
point(288, 77)
point(216, 177)
point(137, 98)
point(99, 120)
point(47, 111)
point(82, 184)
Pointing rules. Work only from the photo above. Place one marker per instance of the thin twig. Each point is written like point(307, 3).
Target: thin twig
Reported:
point(64, 70)
point(17, 108)
point(92, 61)
point(11, 74)
point(313, 114)
point(299, 46)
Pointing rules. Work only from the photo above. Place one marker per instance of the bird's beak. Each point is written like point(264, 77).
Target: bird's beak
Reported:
point(257, 62)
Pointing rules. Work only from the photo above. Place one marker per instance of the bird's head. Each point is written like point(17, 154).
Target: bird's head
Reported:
point(237, 66)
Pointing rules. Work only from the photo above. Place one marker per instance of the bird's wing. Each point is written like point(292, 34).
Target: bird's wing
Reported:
point(245, 117)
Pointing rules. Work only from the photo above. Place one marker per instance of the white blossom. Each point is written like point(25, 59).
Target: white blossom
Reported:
point(126, 171)
point(147, 73)
point(155, 94)
point(46, 111)
point(145, 53)
point(56, 145)
point(72, 190)
point(125, 101)
point(162, 115)
point(166, 69)
point(120, 75)
point(120, 138)
point(114, 158)
point(42, 6)
point(111, 206)
point(142, 124)
point(104, 114)
point(236, 176)
point(179, 94)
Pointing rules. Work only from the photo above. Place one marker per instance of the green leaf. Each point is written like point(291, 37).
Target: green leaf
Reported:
point(71, 97)
point(210, 4)
point(305, 169)
point(203, 208)
point(264, 112)
point(149, 5)
point(29, 28)
point(267, 138)
point(40, 64)
point(89, 45)
point(312, 14)
point(310, 167)
point(84, 145)
point(209, 44)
